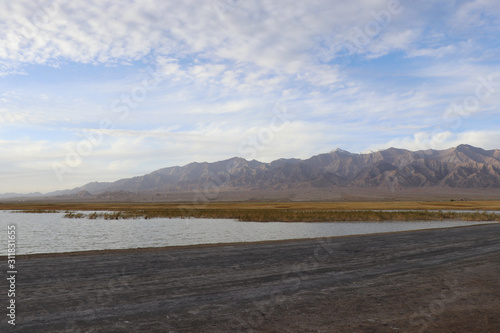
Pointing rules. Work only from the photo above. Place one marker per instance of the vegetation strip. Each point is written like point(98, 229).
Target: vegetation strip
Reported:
point(274, 211)
point(340, 205)
point(282, 215)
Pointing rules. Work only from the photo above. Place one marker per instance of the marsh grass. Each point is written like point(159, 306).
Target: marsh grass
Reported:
point(274, 211)
point(73, 215)
point(37, 211)
point(309, 206)
point(290, 215)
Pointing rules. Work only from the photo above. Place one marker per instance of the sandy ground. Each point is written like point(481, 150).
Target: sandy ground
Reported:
point(443, 280)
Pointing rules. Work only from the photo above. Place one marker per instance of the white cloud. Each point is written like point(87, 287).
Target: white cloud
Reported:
point(443, 140)
point(19, 117)
point(275, 37)
point(438, 53)
point(476, 13)
point(393, 40)
point(224, 66)
point(453, 50)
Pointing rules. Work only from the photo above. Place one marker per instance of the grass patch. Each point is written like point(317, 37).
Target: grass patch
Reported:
point(290, 215)
point(274, 211)
point(383, 205)
point(73, 215)
point(37, 211)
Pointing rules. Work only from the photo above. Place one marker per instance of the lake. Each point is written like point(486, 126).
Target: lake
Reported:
point(51, 232)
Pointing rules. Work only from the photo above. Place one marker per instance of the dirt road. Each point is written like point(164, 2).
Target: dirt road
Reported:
point(425, 281)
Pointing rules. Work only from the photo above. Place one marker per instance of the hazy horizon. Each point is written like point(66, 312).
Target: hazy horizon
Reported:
point(98, 91)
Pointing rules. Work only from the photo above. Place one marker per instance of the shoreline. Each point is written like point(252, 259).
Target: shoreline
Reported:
point(229, 244)
point(269, 213)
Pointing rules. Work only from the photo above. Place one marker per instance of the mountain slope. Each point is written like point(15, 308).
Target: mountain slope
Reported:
point(395, 169)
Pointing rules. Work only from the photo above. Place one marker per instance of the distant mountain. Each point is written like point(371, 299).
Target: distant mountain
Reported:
point(392, 169)
point(18, 195)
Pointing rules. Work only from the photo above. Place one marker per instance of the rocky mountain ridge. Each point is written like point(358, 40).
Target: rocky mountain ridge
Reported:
point(393, 169)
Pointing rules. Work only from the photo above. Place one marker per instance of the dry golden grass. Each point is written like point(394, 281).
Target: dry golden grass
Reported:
point(278, 211)
point(289, 215)
point(389, 205)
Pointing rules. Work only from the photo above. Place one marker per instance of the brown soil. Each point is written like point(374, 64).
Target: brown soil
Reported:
point(425, 281)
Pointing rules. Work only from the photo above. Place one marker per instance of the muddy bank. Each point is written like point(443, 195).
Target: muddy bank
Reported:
point(434, 280)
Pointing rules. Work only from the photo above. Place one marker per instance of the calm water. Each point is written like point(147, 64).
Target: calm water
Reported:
point(48, 233)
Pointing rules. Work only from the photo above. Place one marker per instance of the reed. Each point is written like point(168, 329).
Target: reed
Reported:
point(37, 211)
point(291, 215)
point(72, 215)
point(274, 211)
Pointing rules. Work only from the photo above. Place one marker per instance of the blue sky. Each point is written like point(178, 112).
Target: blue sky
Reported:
point(101, 90)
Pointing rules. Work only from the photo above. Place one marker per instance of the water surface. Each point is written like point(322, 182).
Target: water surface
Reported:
point(51, 232)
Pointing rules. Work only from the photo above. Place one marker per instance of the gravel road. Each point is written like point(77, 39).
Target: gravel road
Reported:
point(444, 280)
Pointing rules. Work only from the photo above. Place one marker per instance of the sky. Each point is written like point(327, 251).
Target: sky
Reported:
point(99, 90)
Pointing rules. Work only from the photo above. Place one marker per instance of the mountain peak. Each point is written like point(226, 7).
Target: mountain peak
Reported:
point(474, 153)
point(464, 147)
point(340, 151)
point(469, 148)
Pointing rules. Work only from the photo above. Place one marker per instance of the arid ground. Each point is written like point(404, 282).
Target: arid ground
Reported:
point(443, 280)
point(340, 205)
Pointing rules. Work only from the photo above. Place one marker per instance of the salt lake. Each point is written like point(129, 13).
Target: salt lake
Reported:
point(51, 232)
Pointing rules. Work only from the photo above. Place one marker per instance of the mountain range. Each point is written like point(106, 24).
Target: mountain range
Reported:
point(338, 174)
point(462, 167)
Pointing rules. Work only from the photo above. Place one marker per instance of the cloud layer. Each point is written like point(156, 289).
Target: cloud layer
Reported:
point(162, 83)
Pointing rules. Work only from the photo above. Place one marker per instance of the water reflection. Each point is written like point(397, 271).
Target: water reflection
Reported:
point(49, 233)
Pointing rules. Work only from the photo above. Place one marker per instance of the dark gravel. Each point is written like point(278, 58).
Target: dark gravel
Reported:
point(442, 280)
